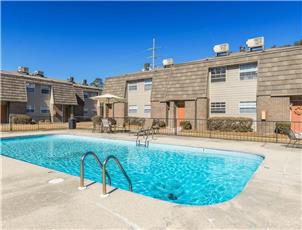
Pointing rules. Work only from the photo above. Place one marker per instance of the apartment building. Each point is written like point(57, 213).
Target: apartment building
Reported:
point(264, 84)
point(45, 98)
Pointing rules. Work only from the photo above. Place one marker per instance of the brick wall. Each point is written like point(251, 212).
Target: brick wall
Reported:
point(158, 109)
point(277, 109)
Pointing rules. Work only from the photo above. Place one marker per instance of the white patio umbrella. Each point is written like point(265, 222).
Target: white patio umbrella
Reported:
point(108, 99)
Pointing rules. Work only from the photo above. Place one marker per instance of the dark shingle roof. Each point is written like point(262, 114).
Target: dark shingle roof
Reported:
point(279, 73)
point(13, 88)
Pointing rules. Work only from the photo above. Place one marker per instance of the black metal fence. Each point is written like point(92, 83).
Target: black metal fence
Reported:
point(263, 131)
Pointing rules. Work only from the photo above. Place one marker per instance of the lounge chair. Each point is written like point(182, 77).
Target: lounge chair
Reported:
point(106, 125)
point(293, 136)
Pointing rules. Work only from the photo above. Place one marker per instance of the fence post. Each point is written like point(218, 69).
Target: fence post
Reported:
point(10, 123)
point(175, 126)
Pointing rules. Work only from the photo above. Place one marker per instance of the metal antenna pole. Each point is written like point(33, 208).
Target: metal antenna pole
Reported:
point(153, 49)
point(153, 54)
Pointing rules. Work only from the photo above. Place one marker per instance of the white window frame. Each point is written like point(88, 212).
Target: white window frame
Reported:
point(132, 109)
point(218, 107)
point(148, 84)
point(247, 107)
point(44, 108)
point(31, 86)
point(93, 94)
point(45, 87)
point(147, 108)
point(248, 71)
point(132, 86)
point(217, 74)
point(30, 108)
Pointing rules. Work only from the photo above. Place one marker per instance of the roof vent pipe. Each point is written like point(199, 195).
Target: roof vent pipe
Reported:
point(84, 82)
point(71, 79)
point(146, 67)
point(23, 70)
point(242, 49)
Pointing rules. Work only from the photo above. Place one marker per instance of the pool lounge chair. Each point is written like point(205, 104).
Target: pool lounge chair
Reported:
point(106, 125)
point(293, 136)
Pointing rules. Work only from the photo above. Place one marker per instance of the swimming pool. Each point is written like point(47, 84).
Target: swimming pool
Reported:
point(183, 175)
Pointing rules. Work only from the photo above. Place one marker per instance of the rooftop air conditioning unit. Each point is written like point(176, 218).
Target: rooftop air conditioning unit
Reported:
point(23, 70)
point(222, 49)
point(255, 43)
point(168, 62)
point(39, 73)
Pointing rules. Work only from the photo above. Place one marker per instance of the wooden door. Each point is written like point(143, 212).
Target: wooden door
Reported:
point(110, 114)
point(296, 116)
point(4, 117)
point(67, 112)
point(180, 113)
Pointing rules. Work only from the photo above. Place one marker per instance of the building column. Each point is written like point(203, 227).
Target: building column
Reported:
point(190, 112)
point(98, 108)
point(202, 105)
point(104, 110)
point(172, 115)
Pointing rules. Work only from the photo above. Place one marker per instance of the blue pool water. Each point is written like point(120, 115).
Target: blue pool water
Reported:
point(194, 176)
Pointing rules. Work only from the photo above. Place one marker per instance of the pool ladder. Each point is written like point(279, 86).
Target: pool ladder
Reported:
point(104, 171)
point(145, 135)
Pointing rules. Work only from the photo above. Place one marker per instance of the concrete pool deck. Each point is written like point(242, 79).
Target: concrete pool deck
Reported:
point(271, 200)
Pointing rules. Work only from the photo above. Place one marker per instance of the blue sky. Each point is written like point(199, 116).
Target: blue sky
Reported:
point(101, 39)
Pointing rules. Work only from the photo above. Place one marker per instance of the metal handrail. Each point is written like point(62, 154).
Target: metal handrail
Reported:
point(145, 136)
point(82, 168)
point(121, 168)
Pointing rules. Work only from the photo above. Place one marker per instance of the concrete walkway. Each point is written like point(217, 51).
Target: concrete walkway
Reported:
point(271, 200)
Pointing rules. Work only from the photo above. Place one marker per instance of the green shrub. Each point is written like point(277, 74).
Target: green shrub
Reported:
point(159, 123)
point(21, 119)
point(186, 125)
point(112, 121)
point(282, 127)
point(135, 121)
point(97, 120)
point(235, 124)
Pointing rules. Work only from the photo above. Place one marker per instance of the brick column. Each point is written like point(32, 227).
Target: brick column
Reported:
point(190, 112)
point(202, 105)
point(119, 113)
point(172, 115)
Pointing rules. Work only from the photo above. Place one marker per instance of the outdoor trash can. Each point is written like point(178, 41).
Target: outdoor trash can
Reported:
point(72, 124)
